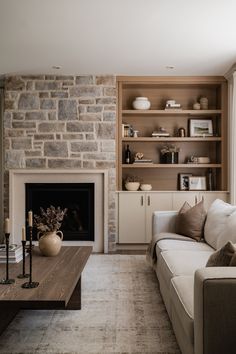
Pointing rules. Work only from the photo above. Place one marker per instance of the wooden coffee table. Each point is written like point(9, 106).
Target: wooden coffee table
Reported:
point(59, 283)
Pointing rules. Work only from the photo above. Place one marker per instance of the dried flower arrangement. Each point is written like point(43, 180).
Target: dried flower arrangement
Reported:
point(50, 219)
point(169, 148)
point(133, 179)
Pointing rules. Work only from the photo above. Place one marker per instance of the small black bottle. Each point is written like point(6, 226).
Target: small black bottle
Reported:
point(127, 155)
point(210, 179)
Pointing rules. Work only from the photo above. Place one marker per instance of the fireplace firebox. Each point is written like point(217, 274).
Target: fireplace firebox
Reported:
point(77, 198)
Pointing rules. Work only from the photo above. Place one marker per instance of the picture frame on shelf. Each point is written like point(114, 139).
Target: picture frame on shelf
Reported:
point(184, 181)
point(200, 127)
point(197, 183)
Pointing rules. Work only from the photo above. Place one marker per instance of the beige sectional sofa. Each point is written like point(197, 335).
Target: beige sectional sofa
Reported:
point(200, 300)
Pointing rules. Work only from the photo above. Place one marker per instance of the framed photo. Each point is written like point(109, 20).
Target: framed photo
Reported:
point(197, 183)
point(201, 127)
point(184, 181)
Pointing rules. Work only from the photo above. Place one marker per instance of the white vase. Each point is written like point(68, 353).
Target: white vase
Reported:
point(50, 243)
point(141, 103)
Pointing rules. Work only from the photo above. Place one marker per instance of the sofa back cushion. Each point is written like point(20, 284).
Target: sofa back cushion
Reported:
point(218, 227)
point(229, 232)
point(190, 221)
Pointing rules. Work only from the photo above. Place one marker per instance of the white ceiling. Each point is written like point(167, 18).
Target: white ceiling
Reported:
point(124, 37)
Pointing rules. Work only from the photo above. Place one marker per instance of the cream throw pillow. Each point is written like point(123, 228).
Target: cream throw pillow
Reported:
point(229, 232)
point(190, 221)
point(218, 217)
point(223, 257)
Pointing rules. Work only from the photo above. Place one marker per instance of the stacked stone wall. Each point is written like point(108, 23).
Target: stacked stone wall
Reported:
point(61, 122)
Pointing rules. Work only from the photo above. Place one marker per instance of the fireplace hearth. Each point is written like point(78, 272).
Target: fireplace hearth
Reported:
point(77, 198)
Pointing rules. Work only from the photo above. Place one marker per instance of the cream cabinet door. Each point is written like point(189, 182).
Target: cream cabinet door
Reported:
point(180, 197)
point(155, 202)
point(209, 197)
point(132, 217)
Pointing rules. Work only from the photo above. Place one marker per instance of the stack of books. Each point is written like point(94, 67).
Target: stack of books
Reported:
point(126, 130)
point(172, 105)
point(15, 253)
point(160, 133)
point(142, 161)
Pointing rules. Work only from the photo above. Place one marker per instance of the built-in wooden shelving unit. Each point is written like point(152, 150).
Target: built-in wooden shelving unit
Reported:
point(186, 91)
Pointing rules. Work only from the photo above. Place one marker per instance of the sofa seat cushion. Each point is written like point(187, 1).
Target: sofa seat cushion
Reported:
point(181, 245)
point(182, 305)
point(175, 263)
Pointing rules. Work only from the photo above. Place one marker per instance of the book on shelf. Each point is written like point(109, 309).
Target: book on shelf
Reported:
point(159, 135)
point(173, 109)
point(143, 161)
point(173, 105)
point(125, 130)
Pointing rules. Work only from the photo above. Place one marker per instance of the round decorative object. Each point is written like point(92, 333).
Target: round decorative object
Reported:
point(139, 155)
point(146, 187)
point(132, 186)
point(141, 103)
point(50, 242)
point(203, 159)
point(204, 103)
point(196, 105)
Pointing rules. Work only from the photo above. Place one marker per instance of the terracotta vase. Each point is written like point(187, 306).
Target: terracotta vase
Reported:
point(50, 242)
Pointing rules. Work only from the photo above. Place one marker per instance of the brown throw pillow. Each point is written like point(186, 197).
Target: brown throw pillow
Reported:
point(233, 260)
point(222, 257)
point(190, 221)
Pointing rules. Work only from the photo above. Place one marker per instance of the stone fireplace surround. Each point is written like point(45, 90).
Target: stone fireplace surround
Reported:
point(18, 178)
point(61, 122)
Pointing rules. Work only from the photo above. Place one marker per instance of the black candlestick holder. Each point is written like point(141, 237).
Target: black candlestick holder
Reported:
point(7, 280)
point(30, 284)
point(23, 275)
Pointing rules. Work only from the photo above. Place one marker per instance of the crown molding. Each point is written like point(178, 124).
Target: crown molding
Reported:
point(230, 72)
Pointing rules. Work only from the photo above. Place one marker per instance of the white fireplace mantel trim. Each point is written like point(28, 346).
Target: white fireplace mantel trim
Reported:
point(20, 172)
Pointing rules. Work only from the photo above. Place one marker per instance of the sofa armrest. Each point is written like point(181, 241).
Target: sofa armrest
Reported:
point(215, 310)
point(163, 221)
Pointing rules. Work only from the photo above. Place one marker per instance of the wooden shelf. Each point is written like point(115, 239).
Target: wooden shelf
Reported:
point(167, 139)
point(177, 165)
point(186, 91)
point(168, 112)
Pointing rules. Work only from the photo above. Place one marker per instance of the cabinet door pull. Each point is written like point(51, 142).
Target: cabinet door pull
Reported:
point(149, 200)
point(142, 200)
point(195, 199)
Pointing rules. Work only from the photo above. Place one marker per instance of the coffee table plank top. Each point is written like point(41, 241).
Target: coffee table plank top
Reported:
point(57, 276)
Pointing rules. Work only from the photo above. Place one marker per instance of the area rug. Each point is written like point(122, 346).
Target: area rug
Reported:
point(122, 312)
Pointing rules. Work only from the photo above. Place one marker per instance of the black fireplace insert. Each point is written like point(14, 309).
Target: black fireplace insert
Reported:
point(78, 198)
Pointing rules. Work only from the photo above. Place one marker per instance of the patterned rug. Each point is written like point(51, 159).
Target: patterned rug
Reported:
point(122, 312)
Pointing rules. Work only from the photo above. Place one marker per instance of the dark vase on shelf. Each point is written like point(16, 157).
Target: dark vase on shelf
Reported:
point(127, 155)
point(170, 157)
point(210, 179)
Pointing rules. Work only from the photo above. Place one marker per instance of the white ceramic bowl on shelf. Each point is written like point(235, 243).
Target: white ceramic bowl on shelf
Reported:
point(141, 103)
point(146, 187)
point(132, 186)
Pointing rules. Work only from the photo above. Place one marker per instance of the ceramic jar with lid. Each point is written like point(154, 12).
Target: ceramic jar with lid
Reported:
point(141, 103)
point(204, 103)
point(196, 106)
